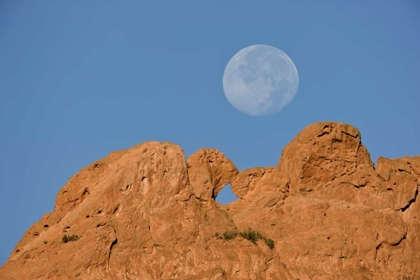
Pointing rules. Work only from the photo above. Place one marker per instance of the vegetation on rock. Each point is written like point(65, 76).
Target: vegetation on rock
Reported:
point(249, 234)
point(67, 238)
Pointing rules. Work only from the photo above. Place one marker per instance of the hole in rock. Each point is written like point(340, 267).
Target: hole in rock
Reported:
point(226, 195)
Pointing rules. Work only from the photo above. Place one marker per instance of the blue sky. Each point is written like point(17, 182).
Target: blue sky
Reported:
point(80, 79)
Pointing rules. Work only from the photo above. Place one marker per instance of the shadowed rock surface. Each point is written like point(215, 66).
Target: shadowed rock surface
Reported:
point(324, 212)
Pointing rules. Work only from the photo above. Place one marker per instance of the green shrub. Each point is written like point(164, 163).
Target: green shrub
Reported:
point(67, 238)
point(228, 235)
point(269, 242)
point(251, 235)
point(248, 234)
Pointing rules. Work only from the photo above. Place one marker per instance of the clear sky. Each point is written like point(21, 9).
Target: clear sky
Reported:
point(80, 79)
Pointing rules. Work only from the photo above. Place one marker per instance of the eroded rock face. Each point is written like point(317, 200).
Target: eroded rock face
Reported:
point(324, 212)
point(209, 171)
point(321, 153)
point(265, 187)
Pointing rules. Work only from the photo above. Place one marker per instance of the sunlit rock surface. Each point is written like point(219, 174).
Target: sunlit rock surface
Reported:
point(324, 212)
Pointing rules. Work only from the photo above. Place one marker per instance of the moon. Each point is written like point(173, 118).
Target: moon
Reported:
point(260, 80)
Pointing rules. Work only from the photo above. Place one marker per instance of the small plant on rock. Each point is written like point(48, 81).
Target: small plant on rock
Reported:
point(228, 235)
point(251, 235)
point(269, 242)
point(67, 238)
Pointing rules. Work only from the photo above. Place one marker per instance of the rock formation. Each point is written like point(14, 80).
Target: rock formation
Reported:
point(324, 212)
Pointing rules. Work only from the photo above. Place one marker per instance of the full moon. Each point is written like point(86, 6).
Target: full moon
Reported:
point(260, 80)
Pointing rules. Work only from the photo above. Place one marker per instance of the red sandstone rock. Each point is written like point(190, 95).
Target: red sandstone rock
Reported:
point(209, 171)
point(324, 212)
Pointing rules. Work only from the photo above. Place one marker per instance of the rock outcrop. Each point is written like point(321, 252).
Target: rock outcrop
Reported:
point(325, 212)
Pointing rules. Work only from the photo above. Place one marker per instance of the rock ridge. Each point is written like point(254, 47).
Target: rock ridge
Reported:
point(324, 212)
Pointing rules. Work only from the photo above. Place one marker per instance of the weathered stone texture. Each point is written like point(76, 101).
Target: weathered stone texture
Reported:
point(148, 213)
